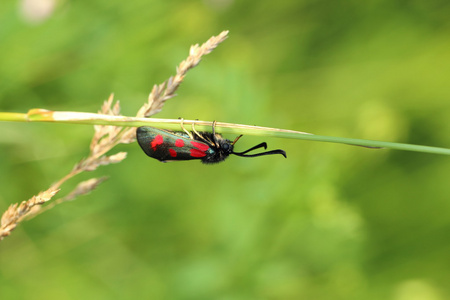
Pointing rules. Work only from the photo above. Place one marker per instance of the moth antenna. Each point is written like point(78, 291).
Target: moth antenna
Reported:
point(252, 148)
point(278, 151)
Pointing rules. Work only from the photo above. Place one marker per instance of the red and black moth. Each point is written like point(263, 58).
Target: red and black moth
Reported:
point(210, 148)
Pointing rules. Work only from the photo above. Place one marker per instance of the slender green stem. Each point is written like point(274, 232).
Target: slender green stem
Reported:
point(16, 117)
point(40, 115)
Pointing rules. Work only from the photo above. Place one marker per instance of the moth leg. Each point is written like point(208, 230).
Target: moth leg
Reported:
point(184, 129)
point(197, 133)
point(216, 142)
point(237, 139)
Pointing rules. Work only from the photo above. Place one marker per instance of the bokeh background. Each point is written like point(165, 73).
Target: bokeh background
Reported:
point(330, 222)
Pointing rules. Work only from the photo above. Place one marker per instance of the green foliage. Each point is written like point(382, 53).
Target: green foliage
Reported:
point(330, 222)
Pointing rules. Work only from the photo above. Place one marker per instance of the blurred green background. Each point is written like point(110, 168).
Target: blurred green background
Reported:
point(330, 222)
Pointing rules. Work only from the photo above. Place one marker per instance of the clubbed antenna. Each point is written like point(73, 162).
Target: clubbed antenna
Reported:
point(262, 145)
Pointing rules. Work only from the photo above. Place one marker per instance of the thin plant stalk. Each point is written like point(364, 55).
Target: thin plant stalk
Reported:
point(40, 115)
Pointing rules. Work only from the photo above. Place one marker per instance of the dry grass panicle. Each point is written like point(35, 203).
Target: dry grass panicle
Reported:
point(17, 212)
point(105, 138)
point(162, 92)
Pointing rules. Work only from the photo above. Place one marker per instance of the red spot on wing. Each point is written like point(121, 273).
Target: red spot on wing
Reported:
point(156, 142)
point(179, 143)
point(202, 147)
point(200, 151)
point(197, 153)
point(172, 152)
